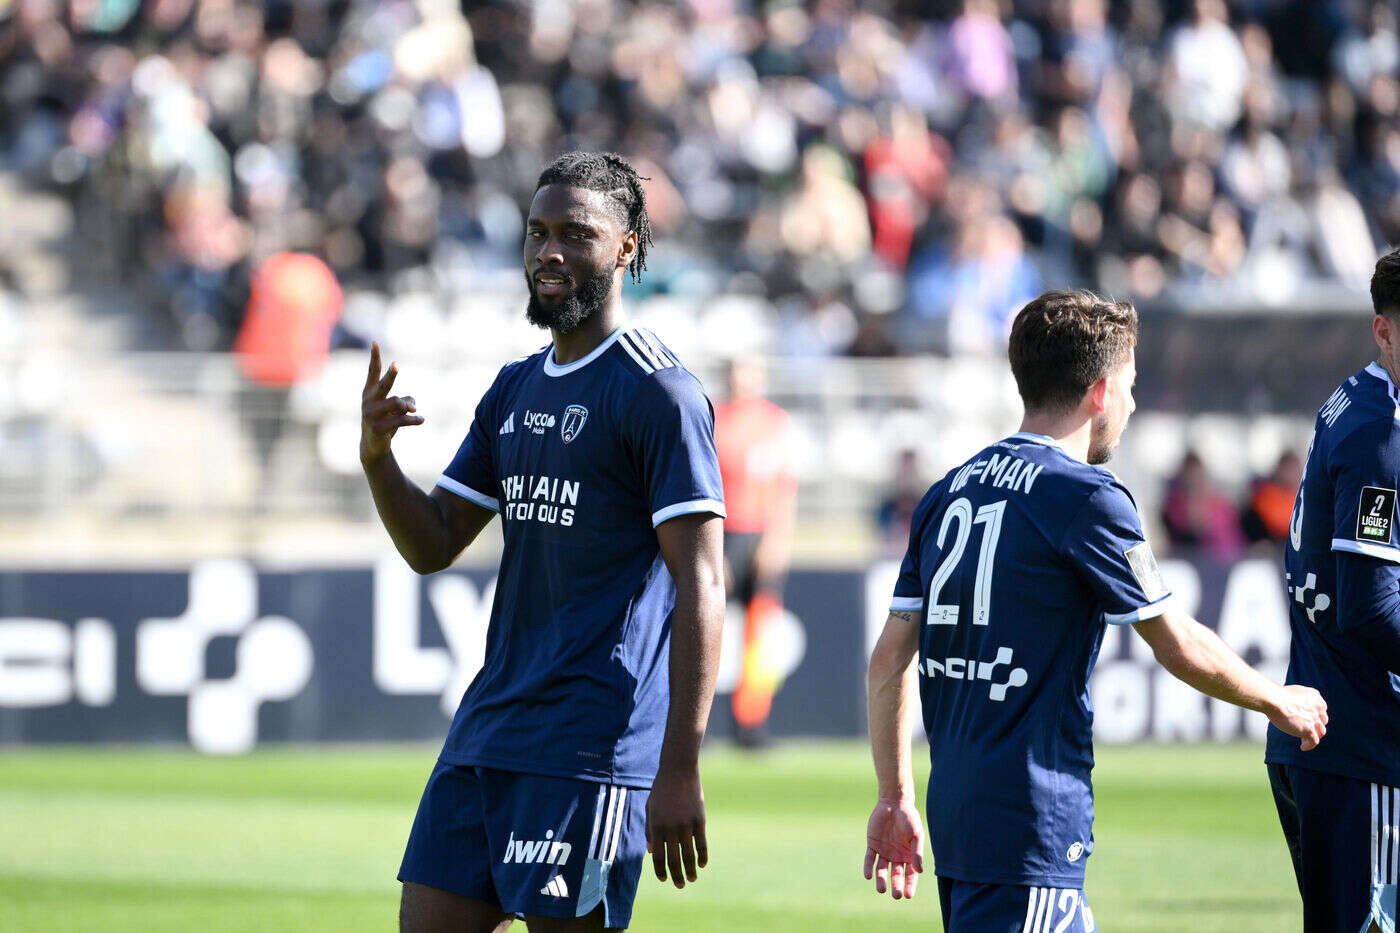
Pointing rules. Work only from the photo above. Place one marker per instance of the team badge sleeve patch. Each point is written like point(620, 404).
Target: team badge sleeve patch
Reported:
point(1375, 514)
point(1144, 566)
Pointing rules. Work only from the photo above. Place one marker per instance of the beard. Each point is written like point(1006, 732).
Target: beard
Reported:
point(1103, 440)
point(569, 314)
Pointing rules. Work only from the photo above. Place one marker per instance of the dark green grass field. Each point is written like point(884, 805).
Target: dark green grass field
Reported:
point(309, 839)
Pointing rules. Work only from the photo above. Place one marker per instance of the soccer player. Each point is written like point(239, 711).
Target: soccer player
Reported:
point(1017, 559)
point(574, 751)
point(1340, 805)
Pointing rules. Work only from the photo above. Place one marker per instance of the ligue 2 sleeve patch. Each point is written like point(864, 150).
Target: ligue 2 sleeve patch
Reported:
point(1375, 513)
point(1144, 566)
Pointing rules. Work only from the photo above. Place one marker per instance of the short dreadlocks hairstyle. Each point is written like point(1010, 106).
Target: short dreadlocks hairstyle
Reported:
point(611, 175)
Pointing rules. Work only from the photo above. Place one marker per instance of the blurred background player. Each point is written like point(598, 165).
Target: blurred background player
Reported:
point(575, 749)
point(1017, 561)
point(1340, 806)
point(754, 440)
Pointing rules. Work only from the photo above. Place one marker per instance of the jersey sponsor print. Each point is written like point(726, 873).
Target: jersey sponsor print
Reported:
point(582, 462)
point(1016, 562)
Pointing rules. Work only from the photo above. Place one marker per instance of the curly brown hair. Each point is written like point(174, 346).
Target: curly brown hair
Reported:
point(1064, 341)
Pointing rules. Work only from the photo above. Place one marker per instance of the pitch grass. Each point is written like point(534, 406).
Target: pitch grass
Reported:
point(309, 839)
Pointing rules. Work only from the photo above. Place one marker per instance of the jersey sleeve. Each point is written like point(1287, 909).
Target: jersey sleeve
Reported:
point(673, 430)
point(472, 472)
point(1107, 547)
point(1364, 469)
point(909, 588)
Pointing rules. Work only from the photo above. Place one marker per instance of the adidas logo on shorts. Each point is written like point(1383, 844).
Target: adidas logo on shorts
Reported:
point(556, 887)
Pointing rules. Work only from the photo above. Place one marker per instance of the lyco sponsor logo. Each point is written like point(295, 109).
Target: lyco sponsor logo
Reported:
point(536, 851)
point(539, 422)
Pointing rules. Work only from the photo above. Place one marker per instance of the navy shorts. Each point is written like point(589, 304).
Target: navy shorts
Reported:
point(971, 907)
point(529, 844)
point(1344, 837)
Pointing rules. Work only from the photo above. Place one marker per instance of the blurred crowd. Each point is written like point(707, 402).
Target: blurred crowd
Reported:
point(879, 177)
point(1198, 514)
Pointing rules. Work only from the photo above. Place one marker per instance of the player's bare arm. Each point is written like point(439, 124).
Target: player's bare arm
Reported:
point(692, 546)
point(1197, 656)
point(894, 836)
point(428, 530)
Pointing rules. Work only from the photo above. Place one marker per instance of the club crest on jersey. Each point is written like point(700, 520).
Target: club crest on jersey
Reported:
point(574, 418)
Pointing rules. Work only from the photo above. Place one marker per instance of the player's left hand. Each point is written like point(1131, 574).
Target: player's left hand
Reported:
point(1301, 712)
point(676, 825)
point(894, 847)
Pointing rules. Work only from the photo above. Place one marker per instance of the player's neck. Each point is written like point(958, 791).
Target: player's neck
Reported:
point(1070, 431)
point(576, 345)
point(1389, 369)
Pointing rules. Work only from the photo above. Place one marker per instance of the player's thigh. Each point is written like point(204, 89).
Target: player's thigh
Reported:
point(970, 907)
point(425, 909)
point(593, 922)
point(564, 849)
point(1349, 850)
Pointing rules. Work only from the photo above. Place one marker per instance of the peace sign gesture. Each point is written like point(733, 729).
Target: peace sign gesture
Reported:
point(380, 414)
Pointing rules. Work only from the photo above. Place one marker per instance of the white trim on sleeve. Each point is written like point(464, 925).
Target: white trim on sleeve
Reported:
point(687, 508)
point(906, 603)
point(468, 493)
point(1369, 548)
point(1150, 611)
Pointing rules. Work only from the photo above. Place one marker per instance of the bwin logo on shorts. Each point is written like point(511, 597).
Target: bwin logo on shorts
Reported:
point(967, 669)
point(537, 852)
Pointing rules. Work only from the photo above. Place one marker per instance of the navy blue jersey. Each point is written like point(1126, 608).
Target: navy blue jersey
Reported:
point(1345, 507)
point(582, 461)
point(1017, 559)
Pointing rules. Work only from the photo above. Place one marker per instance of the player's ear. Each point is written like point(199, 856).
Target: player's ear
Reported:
point(627, 250)
point(1098, 395)
point(1383, 328)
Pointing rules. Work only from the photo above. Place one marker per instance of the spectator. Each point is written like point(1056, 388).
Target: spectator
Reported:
point(1133, 147)
point(1266, 516)
point(895, 512)
point(1196, 514)
point(752, 438)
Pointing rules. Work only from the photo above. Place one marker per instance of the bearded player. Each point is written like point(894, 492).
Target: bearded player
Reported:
point(574, 751)
point(1017, 561)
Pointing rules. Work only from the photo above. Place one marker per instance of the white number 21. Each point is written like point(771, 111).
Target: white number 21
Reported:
point(989, 515)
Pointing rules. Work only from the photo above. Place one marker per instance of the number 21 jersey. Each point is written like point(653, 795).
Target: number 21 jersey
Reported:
point(1016, 561)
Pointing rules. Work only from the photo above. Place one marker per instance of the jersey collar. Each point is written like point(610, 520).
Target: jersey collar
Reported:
point(552, 368)
point(1036, 439)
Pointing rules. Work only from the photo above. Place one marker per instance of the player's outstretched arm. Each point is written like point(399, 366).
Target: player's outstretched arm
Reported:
point(429, 531)
point(1196, 655)
point(692, 546)
point(894, 835)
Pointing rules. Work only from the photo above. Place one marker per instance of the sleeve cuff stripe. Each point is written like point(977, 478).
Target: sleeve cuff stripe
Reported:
point(713, 506)
point(1150, 611)
point(1369, 548)
point(906, 603)
point(468, 493)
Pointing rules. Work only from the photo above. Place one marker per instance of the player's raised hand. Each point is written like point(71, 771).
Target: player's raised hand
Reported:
point(381, 414)
point(1302, 713)
point(894, 847)
point(676, 825)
